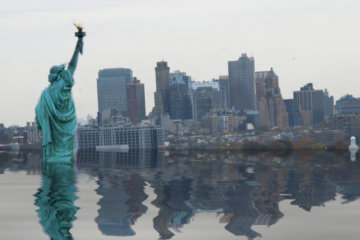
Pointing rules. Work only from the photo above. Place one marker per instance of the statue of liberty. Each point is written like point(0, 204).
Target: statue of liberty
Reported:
point(55, 112)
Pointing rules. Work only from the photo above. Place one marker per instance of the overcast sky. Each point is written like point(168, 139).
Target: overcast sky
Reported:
point(197, 37)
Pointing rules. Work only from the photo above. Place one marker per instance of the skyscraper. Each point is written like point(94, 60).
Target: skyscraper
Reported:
point(111, 88)
point(328, 104)
point(136, 101)
point(270, 103)
point(203, 102)
point(161, 96)
point(311, 100)
point(242, 83)
point(205, 96)
point(262, 102)
point(180, 104)
point(295, 116)
point(174, 76)
point(224, 85)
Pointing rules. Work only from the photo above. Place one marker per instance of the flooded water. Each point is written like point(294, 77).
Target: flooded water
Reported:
point(188, 195)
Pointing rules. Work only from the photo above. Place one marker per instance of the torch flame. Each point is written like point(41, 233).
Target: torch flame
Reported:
point(79, 26)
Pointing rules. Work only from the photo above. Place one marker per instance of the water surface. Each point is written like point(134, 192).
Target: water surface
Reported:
point(188, 195)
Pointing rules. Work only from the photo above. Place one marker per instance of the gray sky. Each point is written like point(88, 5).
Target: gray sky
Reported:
point(196, 36)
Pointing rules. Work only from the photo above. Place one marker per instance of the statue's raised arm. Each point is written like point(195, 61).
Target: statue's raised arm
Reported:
point(78, 49)
point(74, 59)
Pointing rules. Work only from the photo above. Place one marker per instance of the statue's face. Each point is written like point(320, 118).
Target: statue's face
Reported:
point(54, 72)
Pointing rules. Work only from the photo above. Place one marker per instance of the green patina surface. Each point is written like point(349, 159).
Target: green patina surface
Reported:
point(55, 113)
point(55, 116)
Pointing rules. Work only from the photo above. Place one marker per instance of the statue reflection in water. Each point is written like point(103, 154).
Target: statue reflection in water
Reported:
point(56, 199)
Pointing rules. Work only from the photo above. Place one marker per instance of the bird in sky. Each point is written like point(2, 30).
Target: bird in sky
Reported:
point(293, 58)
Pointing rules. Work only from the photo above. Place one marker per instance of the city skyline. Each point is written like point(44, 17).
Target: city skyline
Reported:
point(123, 77)
point(127, 34)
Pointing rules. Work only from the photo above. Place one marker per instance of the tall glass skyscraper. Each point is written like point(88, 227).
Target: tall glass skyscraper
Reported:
point(111, 88)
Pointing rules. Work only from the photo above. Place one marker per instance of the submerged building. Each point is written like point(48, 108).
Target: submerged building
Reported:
point(134, 136)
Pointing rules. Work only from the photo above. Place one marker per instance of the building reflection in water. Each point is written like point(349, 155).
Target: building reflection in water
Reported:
point(122, 192)
point(55, 200)
point(171, 200)
point(121, 203)
point(244, 190)
point(350, 191)
point(309, 190)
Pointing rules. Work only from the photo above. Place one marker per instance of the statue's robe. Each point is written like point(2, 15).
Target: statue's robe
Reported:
point(55, 117)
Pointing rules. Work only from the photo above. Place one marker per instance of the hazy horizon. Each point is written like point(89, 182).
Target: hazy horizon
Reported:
point(196, 37)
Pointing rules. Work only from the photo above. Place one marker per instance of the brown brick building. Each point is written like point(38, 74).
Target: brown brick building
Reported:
point(349, 124)
point(326, 137)
point(136, 101)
